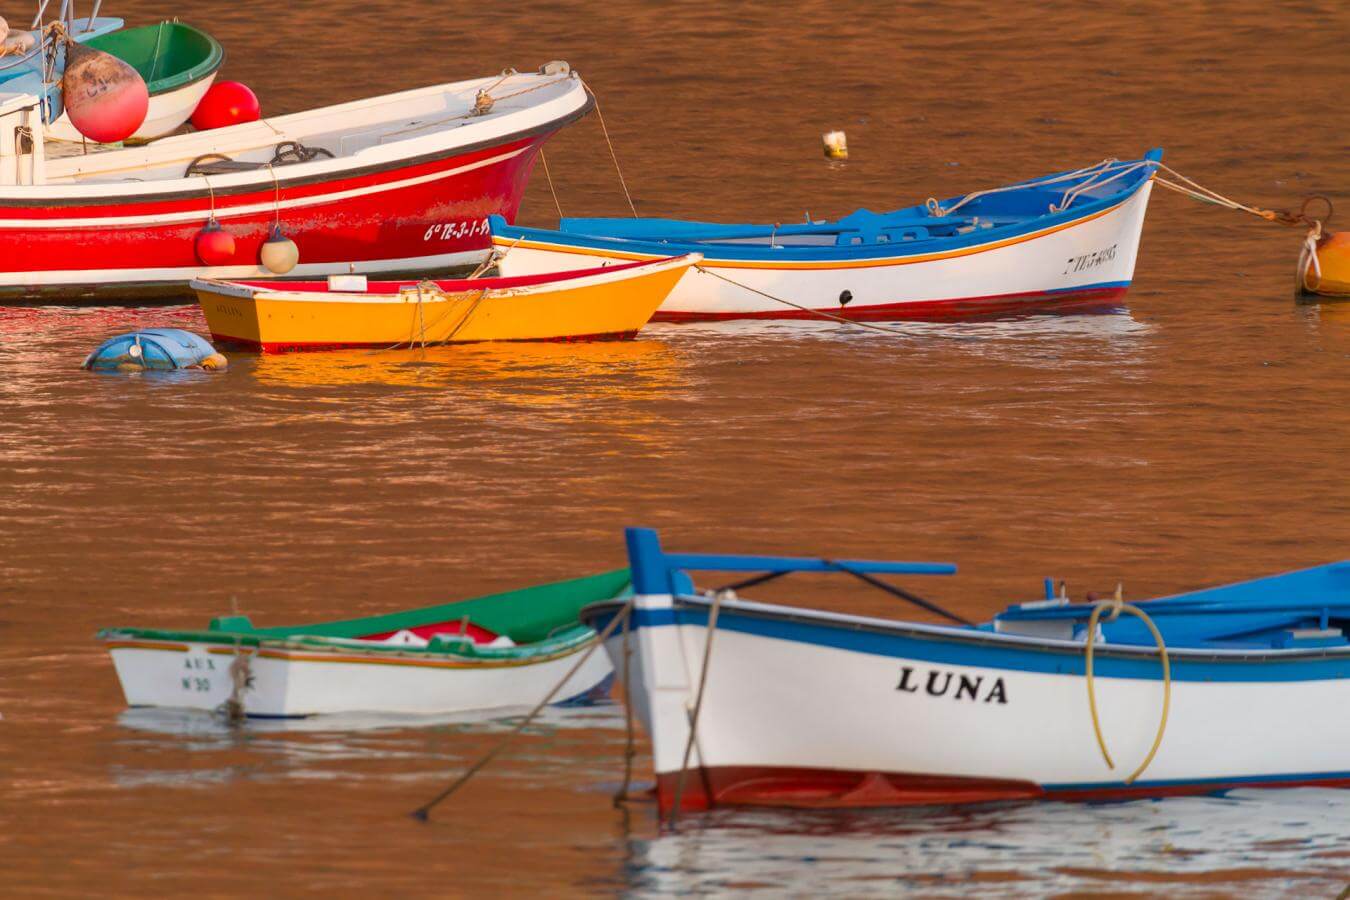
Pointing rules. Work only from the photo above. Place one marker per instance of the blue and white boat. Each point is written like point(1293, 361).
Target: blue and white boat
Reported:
point(1065, 240)
point(1243, 685)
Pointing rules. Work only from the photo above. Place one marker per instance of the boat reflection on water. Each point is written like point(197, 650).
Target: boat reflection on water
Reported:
point(595, 368)
point(1252, 843)
point(346, 744)
point(1106, 321)
point(1046, 340)
point(1331, 318)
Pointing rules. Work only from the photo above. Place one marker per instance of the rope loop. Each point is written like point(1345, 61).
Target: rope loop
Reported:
point(1114, 607)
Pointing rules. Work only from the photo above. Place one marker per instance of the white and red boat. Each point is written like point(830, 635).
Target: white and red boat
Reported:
point(397, 184)
point(1063, 241)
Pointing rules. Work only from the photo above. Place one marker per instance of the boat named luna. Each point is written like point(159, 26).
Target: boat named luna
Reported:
point(1238, 687)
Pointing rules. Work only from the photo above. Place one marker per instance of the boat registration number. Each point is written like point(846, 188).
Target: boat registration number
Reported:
point(451, 231)
point(196, 675)
point(1090, 260)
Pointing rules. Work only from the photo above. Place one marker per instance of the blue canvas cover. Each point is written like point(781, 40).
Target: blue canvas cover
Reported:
point(151, 348)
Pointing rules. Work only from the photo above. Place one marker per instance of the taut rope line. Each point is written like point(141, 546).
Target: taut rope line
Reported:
point(1116, 606)
point(806, 309)
point(612, 155)
point(630, 748)
point(543, 158)
point(423, 812)
point(698, 705)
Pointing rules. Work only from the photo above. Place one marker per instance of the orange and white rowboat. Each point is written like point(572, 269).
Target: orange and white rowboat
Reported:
point(590, 304)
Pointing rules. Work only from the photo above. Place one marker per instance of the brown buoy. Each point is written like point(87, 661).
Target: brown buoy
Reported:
point(105, 98)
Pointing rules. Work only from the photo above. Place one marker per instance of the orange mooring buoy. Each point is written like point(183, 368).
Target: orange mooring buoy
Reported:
point(1324, 265)
point(106, 99)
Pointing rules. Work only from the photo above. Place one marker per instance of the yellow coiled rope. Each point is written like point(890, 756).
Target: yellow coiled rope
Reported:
point(1116, 606)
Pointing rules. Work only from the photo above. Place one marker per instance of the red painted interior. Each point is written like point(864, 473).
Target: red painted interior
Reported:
point(479, 634)
point(448, 285)
point(265, 347)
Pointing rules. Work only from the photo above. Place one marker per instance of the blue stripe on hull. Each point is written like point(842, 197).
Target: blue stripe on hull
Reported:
point(985, 650)
point(1230, 782)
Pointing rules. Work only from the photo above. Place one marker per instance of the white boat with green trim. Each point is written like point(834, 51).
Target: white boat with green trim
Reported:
point(499, 651)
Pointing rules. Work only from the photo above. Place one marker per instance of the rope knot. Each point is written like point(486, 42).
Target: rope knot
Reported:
point(1116, 604)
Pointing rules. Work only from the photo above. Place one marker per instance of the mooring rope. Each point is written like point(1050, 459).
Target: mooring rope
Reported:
point(806, 309)
point(698, 704)
point(630, 742)
point(612, 155)
point(241, 678)
point(937, 209)
point(423, 812)
point(543, 158)
point(1115, 607)
point(482, 103)
point(1092, 181)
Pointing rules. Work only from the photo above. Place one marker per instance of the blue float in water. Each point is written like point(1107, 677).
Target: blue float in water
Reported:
point(160, 349)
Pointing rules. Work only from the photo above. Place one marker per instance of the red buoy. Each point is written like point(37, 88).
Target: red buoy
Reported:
point(226, 103)
point(105, 98)
point(214, 245)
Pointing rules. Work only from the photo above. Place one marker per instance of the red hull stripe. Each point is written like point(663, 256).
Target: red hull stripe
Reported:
point(959, 308)
point(266, 347)
point(262, 193)
point(836, 789)
point(443, 216)
point(831, 788)
point(449, 285)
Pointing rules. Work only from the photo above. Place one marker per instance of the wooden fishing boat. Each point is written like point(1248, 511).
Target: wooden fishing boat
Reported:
point(599, 304)
point(401, 183)
point(1066, 240)
point(178, 62)
point(503, 650)
point(802, 707)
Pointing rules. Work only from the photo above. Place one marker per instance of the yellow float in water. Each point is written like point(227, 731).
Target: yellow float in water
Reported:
point(271, 316)
point(1325, 269)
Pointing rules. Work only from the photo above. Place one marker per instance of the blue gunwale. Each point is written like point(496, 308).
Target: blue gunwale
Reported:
point(960, 646)
point(666, 237)
point(1285, 627)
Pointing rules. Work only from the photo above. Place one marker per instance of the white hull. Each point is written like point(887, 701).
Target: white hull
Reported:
point(774, 705)
point(304, 682)
point(1093, 256)
point(167, 113)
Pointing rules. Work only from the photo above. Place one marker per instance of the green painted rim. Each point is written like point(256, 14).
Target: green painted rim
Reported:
point(169, 56)
point(543, 620)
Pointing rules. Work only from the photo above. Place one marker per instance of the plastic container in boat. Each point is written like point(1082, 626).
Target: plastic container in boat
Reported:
point(160, 349)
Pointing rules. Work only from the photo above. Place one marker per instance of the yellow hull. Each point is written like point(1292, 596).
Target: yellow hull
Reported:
point(273, 319)
point(1333, 259)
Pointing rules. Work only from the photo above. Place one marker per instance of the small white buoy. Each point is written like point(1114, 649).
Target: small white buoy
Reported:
point(279, 254)
point(836, 145)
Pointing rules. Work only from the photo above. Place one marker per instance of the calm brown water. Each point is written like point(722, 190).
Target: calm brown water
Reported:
point(1197, 437)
